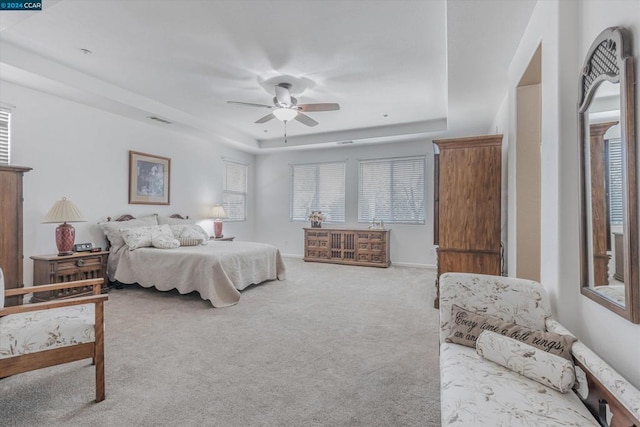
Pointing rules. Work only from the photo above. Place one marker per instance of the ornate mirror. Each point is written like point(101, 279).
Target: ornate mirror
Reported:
point(609, 217)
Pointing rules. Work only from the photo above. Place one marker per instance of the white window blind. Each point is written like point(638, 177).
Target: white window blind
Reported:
point(318, 187)
point(615, 180)
point(392, 190)
point(5, 120)
point(234, 195)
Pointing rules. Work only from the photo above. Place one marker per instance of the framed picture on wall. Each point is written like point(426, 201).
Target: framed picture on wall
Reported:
point(149, 179)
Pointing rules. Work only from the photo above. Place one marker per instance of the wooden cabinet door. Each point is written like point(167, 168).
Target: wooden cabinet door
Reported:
point(469, 198)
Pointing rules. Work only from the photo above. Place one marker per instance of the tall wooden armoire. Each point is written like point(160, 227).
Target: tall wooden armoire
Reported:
point(11, 228)
point(468, 203)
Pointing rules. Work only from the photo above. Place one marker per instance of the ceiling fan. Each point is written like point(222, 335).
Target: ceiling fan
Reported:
point(285, 107)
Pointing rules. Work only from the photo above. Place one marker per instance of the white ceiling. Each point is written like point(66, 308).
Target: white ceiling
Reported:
point(400, 70)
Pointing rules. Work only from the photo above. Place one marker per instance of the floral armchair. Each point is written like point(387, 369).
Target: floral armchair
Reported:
point(40, 335)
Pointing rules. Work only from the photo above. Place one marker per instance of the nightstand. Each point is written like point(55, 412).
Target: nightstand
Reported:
point(79, 266)
point(227, 239)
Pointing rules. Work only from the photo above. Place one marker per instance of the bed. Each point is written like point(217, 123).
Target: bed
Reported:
point(217, 270)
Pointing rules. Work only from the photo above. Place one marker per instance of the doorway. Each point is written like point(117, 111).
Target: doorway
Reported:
point(528, 144)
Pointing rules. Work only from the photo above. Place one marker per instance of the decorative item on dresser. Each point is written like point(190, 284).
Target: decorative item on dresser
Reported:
point(347, 246)
point(469, 206)
point(64, 211)
point(49, 269)
point(11, 228)
point(316, 219)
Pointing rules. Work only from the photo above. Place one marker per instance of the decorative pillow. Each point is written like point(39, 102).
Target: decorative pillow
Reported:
point(189, 231)
point(548, 369)
point(173, 221)
point(466, 326)
point(138, 237)
point(111, 229)
point(184, 241)
point(162, 238)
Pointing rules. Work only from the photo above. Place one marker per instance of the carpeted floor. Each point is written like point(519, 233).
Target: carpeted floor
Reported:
point(330, 346)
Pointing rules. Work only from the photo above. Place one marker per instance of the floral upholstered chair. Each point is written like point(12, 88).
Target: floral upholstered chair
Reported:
point(40, 335)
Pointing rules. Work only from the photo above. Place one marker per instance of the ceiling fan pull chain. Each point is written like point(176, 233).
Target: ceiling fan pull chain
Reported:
point(285, 131)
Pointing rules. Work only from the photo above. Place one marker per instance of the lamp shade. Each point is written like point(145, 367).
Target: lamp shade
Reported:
point(285, 114)
point(218, 212)
point(63, 211)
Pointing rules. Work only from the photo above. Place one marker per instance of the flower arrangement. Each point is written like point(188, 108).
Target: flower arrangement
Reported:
point(316, 219)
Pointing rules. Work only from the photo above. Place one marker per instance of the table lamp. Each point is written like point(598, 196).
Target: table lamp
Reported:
point(64, 211)
point(218, 213)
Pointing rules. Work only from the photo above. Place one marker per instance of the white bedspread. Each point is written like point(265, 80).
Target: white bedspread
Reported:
point(216, 270)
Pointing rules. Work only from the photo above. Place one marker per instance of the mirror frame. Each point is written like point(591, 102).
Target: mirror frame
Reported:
point(609, 59)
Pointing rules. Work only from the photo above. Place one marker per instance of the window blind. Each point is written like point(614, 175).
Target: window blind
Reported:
point(392, 190)
point(234, 195)
point(318, 187)
point(5, 119)
point(615, 180)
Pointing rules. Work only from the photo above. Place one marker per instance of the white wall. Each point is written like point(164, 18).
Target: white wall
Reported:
point(410, 244)
point(566, 29)
point(83, 153)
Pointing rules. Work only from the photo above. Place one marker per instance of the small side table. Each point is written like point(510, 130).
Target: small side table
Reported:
point(49, 269)
point(223, 239)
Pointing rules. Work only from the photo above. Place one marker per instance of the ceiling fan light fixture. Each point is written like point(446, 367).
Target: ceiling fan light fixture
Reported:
point(285, 114)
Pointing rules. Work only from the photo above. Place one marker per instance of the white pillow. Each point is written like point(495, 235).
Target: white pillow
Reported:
point(189, 231)
point(548, 369)
point(162, 238)
point(138, 237)
point(111, 229)
point(1, 289)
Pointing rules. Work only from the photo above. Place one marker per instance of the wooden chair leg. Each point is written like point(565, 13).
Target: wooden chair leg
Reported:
point(100, 393)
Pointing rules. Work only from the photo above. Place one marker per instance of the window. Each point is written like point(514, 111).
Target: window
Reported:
point(318, 187)
point(613, 149)
point(234, 194)
point(5, 120)
point(392, 190)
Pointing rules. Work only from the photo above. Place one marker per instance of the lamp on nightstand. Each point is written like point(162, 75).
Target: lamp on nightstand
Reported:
point(64, 211)
point(218, 213)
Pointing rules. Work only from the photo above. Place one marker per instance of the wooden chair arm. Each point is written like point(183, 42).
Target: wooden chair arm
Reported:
point(95, 299)
point(55, 287)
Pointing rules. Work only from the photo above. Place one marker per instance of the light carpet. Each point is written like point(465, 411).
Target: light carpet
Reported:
point(332, 345)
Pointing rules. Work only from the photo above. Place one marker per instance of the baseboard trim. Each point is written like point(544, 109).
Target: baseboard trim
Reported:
point(393, 263)
point(413, 265)
point(291, 256)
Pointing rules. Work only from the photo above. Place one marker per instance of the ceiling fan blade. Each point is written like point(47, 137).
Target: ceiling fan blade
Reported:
point(282, 94)
point(249, 104)
point(305, 120)
point(329, 106)
point(265, 118)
